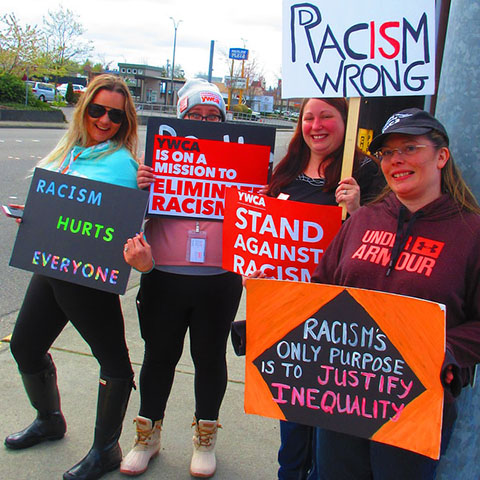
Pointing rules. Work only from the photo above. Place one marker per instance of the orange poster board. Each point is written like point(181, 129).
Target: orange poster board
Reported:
point(355, 361)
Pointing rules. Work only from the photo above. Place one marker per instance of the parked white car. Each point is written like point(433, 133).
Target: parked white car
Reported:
point(43, 91)
point(77, 88)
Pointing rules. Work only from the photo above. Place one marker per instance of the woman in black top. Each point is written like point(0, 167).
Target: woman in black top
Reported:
point(310, 172)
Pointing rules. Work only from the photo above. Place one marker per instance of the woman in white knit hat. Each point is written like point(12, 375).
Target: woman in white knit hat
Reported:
point(176, 295)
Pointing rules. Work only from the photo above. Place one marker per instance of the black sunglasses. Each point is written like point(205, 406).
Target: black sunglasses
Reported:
point(114, 114)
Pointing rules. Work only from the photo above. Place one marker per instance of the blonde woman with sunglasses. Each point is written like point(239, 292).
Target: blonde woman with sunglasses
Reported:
point(101, 145)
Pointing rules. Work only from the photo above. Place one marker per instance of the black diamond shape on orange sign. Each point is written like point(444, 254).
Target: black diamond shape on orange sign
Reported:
point(359, 394)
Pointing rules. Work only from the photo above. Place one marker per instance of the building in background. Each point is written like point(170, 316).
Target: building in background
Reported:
point(150, 84)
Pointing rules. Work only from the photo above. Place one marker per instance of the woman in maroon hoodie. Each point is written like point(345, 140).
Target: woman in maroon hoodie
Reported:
point(429, 208)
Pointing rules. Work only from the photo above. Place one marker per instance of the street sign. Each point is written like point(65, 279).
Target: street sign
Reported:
point(238, 54)
point(236, 82)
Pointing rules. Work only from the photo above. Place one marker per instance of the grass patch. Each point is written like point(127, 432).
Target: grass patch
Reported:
point(41, 106)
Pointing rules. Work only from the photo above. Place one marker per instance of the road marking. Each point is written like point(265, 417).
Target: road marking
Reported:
point(35, 140)
point(19, 141)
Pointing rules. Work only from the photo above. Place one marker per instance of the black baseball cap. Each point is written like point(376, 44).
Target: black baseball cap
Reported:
point(411, 121)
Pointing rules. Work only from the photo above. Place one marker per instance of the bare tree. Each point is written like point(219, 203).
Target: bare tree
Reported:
point(252, 71)
point(62, 38)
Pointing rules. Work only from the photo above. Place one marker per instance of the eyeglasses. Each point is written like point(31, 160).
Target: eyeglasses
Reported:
point(208, 118)
point(408, 150)
point(114, 114)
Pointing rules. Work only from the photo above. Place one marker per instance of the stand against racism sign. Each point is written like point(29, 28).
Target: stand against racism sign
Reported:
point(74, 229)
point(359, 50)
point(341, 358)
point(192, 174)
point(284, 239)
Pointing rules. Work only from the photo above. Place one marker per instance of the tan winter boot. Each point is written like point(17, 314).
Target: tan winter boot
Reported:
point(203, 463)
point(146, 446)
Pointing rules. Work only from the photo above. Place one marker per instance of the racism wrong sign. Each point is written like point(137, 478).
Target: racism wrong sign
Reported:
point(283, 238)
point(353, 49)
point(355, 361)
point(74, 229)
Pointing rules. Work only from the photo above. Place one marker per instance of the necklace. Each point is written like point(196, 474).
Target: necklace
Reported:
point(316, 182)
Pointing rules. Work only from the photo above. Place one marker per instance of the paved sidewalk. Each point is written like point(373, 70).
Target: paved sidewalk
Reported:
point(247, 444)
point(9, 124)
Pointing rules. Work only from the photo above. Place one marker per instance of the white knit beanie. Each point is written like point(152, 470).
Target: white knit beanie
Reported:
point(199, 92)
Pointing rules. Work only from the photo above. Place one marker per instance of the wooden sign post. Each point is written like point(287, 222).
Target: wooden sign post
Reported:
point(350, 143)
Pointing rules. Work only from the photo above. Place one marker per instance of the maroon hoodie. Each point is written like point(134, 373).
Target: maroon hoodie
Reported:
point(435, 256)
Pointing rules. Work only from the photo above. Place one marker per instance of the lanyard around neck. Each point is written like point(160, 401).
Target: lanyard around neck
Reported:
point(67, 167)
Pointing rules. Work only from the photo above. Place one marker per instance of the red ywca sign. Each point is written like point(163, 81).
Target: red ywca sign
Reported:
point(191, 175)
point(284, 239)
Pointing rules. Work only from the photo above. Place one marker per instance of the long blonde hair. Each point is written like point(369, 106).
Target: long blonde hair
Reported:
point(77, 132)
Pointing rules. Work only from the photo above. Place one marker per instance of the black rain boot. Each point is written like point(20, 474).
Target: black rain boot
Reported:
point(105, 454)
point(50, 424)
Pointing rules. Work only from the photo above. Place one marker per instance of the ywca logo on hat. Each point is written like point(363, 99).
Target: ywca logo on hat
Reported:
point(183, 104)
point(394, 119)
point(208, 97)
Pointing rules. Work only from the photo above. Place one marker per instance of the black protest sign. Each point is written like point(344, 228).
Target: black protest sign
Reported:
point(74, 229)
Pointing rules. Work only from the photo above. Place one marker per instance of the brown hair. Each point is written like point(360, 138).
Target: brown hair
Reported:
point(298, 154)
point(452, 181)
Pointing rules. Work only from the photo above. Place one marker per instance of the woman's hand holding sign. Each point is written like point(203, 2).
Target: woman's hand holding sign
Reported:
point(255, 274)
point(348, 192)
point(138, 254)
point(145, 176)
point(14, 211)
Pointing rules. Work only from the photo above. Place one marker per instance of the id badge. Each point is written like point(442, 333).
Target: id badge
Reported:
point(196, 246)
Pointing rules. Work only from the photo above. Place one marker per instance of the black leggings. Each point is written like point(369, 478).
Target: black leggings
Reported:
point(168, 305)
point(49, 304)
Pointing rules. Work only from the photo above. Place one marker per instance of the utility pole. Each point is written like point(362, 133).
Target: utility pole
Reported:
point(175, 26)
point(210, 65)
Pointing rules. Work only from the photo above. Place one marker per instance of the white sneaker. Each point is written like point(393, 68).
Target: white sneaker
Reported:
point(146, 446)
point(203, 462)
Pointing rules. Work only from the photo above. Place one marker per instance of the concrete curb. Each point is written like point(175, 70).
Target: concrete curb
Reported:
point(15, 124)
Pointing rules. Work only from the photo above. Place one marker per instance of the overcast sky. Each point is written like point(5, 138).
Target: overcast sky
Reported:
point(141, 31)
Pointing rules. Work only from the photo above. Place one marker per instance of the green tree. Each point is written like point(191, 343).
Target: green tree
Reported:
point(20, 47)
point(179, 72)
point(69, 95)
point(12, 90)
point(89, 67)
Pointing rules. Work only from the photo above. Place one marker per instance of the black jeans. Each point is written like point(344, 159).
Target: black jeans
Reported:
point(168, 305)
point(49, 304)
